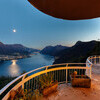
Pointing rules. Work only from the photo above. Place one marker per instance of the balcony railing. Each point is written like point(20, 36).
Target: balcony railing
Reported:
point(61, 74)
point(94, 59)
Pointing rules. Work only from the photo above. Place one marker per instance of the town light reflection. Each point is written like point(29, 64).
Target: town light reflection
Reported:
point(14, 69)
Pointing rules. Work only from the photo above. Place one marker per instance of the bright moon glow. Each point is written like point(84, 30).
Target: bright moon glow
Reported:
point(14, 62)
point(14, 30)
point(14, 69)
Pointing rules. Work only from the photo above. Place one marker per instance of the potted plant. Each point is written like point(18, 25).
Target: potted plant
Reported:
point(26, 95)
point(47, 84)
point(80, 80)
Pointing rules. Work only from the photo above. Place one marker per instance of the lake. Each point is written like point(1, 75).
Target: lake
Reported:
point(16, 67)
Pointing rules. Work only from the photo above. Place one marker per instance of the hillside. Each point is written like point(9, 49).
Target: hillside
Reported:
point(53, 50)
point(11, 49)
point(79, 52)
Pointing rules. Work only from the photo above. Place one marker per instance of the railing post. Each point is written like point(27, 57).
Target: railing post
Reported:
point(90, 70)
point(22, 81)
point(66, 72)
point(95, 59)
point(46, 69)
point(90, 59)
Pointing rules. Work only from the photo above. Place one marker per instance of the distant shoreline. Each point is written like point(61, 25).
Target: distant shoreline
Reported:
point(11, 57)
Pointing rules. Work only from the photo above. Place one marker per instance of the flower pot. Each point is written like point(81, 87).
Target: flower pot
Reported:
point(46, 91)
point(81, 81)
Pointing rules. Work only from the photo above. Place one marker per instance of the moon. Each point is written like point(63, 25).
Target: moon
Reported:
point(14, 30)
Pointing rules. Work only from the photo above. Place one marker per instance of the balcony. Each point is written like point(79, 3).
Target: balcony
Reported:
point(61, 74)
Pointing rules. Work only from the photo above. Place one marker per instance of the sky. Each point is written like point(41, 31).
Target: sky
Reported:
point(21, 23)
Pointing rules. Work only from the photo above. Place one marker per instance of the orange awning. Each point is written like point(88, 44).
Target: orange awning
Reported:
point(69, 9)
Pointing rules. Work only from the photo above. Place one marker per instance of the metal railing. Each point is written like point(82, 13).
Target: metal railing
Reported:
point(94, 59)
point(61, 74)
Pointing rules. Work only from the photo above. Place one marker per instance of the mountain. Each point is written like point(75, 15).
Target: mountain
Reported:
point(13, 49)
point(53, 50)
point(79, 52)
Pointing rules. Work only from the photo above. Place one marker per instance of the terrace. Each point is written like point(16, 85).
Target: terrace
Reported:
point(61, 74)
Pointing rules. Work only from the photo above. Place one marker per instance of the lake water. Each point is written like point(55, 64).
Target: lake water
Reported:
point(16, 67)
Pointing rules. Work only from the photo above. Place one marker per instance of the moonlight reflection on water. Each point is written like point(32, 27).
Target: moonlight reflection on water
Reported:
point(14, 68)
